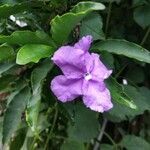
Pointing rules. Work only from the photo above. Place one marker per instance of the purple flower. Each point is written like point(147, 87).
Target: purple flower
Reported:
point(84, 76)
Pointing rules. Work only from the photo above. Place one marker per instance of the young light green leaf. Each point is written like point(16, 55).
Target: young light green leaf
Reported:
point(61, 26)
point(92, 25)
point(12, 117)
point(125, 48)
point(6, 52)
point(33, 53)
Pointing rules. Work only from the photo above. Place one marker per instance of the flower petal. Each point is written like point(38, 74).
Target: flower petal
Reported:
point(66, 89)
point(97, 99)
point(70, 61)
point(84, 43)
point(99, 69)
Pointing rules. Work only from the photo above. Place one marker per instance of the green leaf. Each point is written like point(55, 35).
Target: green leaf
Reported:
point(85, 125)
point(107, 147)
point(146, 93)
point(39, 74)
point(87, 7)
point(6, 83)
point(140, 76)
point(7, 10)
point(32, 112)
point(131, 142)
point(72, 145)
point(118, 93)
point(1, 129)
point(140, 100)
point(6, 52)
point(33, 53)
point(19, 85)
point(5, 66)
point(26, 37)
point(61, 26)
point(108, 1)
point(108, 60)
point(12, 117)
point(92, 25)
point(37, 78)
point(136, 3)
point(18, 139)
point(125, 48)
point(142, 15)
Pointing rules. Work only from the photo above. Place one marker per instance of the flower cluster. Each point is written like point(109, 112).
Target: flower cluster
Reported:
point(83, 75)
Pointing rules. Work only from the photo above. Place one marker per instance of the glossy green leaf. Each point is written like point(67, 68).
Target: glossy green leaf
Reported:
point(6, 52)
point(33, 53)
point(142, 15)
point(61, 26)
point(14, 112)
point(26, 37)
point(84, 128)
point(125, 48)
point(131, 142)
point(92, 25)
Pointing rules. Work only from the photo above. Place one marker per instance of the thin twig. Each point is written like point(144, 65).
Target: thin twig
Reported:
point(109, 137)
point(145, 36)
point(100, 136)
point(52, 128)
point(108, 17)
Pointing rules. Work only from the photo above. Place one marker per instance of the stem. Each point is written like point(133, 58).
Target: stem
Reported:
point(145, 36)
point(109, 137)
point(32, 145)
point(108, 17)
point(99, 138)
point(120, 71)
point(52, 128)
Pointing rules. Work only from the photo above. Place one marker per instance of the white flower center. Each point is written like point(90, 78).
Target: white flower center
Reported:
point(88, 76)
